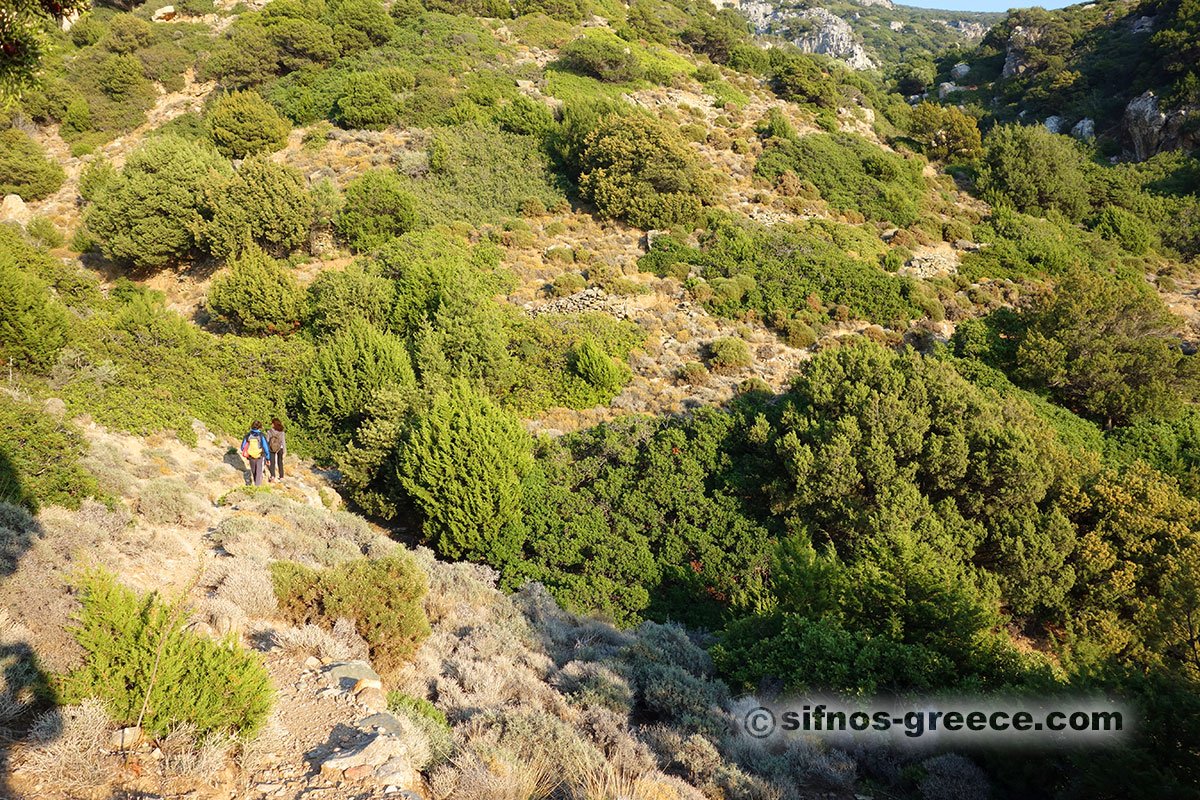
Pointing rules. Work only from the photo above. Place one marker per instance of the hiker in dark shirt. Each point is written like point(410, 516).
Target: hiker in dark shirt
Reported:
point(256, 450)
point(277, 439)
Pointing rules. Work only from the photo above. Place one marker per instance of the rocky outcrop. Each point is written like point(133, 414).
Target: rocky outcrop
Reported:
point(1151, 130)
point(968, 30)
point(881, 3)
point(13, 209)
point(959, 71)
point(1084, 130)
point(1014, 57)
point(946, 89)
point(818, 31)
point(831, 35)
point(1055, 123)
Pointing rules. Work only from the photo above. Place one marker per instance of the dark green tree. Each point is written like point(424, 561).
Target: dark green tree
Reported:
point(258, 295)
point(377, 208)
point(243, 124)
point(463, 463)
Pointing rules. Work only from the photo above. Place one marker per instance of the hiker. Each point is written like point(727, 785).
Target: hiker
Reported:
point(278, 442)
point(256, 449)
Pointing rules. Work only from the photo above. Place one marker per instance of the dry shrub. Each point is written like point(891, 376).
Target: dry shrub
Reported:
point(67, 749)
point(247, 585)
point(270, 526)
point(166, 501)
point(344, 644)
point(476, 778)
point(951, 776)
point(609, 783)
point(20, 677)
point(191, 756)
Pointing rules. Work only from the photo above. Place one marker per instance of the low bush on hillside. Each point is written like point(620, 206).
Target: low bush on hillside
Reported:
point(24, 168)
point(39, 458)
point(139, 647)
point(259, 295)
point(377, 208)
point(243, 124)
point(851, 173)
point(383, 596)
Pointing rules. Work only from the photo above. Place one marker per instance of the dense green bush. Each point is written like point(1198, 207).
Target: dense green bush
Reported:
point(799, 79)
point(39, 458)
point(242, 123)
point(728, 354)
point(137, 647)
point(480, 175)
point(602, 56)
point(1125, 228)
point(33, 324)
point(945, 133)
point(851, 174)
point(597, 368)
point(358, 24)
point(24, 168)
point(1108, 350)
point(350, 367)
point(639, 169)
point(377, 208)
point(257, 296)
point(382, 596)
point(526, 117)
point(565, 10)
point(1035, 170)
point(368, 100)
point(335, 299)
point(153, 212)
point(264, 204)
point(463, 462)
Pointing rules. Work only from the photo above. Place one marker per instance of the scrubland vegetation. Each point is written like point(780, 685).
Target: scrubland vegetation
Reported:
point(980, 478)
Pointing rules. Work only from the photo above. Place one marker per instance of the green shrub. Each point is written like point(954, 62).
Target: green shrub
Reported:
point(728, 354)
point(377, 208)
point(245, 57)
point(602, 56)
point(480, 175)
point(851, 173)
point(639, 169)
point(431, 721)
point(799, 334)
point(152, 213)
point(525, 116)
point(127, 33)
point(945, 133)
point(33, 324)
point(87, 30)
point(335, 299)
point(39, 458)
point(1034, 170)
point(368, 100)
point(382, 596)
point(359, 24)
point(350, 367)
point(258, 295)
point(24, 168)
point(800, 79)
point(462, 463)
point(1125, 228)
point(693, 373)
point(564, 10)
point(567, 284)
point(42, 231)
point(94, 177)
point(217, 687)
point(265, 204)
point(243, 123)
point(596, 367)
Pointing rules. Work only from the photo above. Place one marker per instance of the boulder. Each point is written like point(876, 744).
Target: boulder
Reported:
point(165, 14)
point(1055, 123)
point(1150, 130)
point(946, 88)
point(1084, 130)
point(374, 752)
point(126, 738)
point(347, 674)
point(959, 71)
point(1143, 24)
point(13, 209)
point(399, 772)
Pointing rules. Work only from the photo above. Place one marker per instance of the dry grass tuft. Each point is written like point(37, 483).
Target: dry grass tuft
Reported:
point(68, 746)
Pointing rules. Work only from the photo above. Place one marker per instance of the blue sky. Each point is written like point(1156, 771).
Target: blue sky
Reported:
point(981, 5)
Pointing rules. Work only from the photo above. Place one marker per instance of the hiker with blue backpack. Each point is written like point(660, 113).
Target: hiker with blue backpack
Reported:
point(256, 450)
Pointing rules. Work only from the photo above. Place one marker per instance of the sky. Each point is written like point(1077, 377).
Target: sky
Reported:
point(984, 5)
